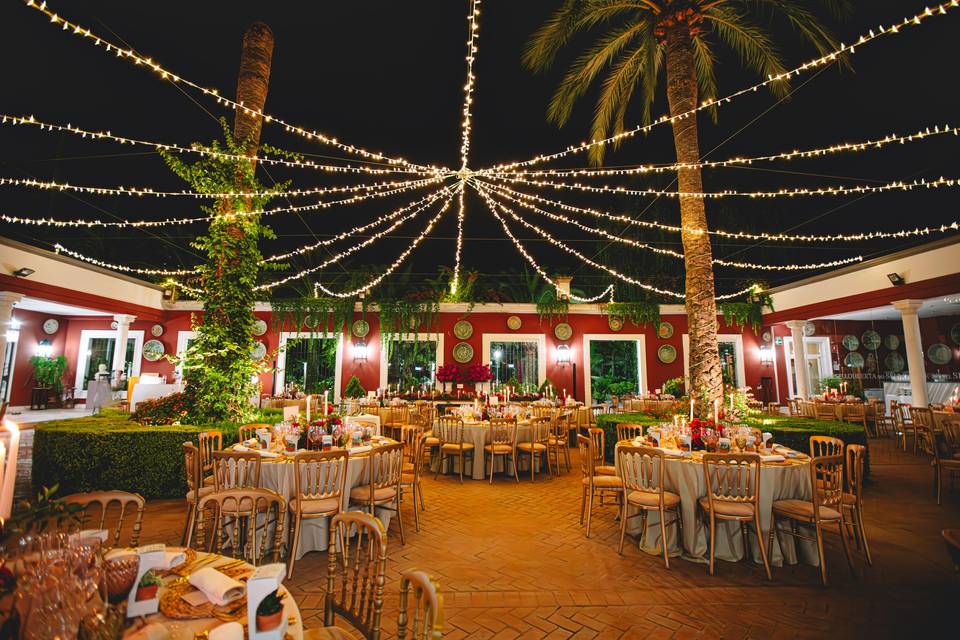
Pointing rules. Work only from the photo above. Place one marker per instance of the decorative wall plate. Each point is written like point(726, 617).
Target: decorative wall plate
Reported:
point(361, 328)
point(870, 340)
point(667, 353)
point(891, 342)
point(563, 331)
point(955, 333)
point(311, 321)
point(463, 330)
point(850, 342)
point(514, 323)
point(259, 351)
point(809, 329)
point(854, 360)
point(939, 354)
point(463, 352)
point(50, 326)
point(152, 350)
point(615, 323)
point(665, 330)
point(259, 327)
point(766, 336)
point(156, 330)
point(894, 362)
point(114, 325)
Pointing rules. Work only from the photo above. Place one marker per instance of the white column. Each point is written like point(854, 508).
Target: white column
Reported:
point(911, 341)
point(801, 373)
point(7, 300)
point(120, 348)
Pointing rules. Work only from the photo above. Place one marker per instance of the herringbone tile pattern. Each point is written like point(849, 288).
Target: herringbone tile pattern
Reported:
point(513, 562)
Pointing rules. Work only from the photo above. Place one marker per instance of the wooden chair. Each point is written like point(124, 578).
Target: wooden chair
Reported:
point(103, 501)
point(319, 481)
point(410, 480)
point(642, 470)
point(195, 490)
point(600, 466)
point(537, 445)
point(951, 436)
point(398, 417)
point(901, 417)
point(921, 417)
point(825, 446)
point(855, 413)
point(885, 425)
point(559, 441)
point(384, 473)
point(427, 618)
point(248, 431)
point(207, 443)
point(540, 411)
point(503, 443)
point(853, 498)
point(629, 432)
point(733, 494)
point(239, 530)
point(940, 462)
point(824, 510)
point(824, 411)
point(236, 470)
point(592, 484)
point(450, 435)
point(410, 435)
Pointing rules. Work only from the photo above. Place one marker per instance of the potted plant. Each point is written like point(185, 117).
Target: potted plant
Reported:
point(147, 588)
point(48, 372)
point(270, 612)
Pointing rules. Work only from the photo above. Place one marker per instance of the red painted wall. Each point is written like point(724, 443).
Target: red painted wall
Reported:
point(31, 333)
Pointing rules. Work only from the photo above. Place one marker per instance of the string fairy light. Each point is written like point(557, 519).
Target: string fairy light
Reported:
point(865, 145)
point(165, 74)
point(446, 191)
point(460, 215)
point(671, 253)
point(860, 189)
point(828, 58)
point(162, 146)
point(473, 28)
point(739, 235)
point(170, 282)
point(59, 248)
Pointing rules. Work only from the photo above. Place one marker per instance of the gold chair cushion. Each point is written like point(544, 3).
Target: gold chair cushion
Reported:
point(731, 509)
point(407, 478)
point(605, 482)
point(432, 441)
point(208, 481)
point(325, 505)
point(650, 499)
point(803, 510)
point(498, 448)
point(383, 494)
point(455, 448)
point(535, 446)
point(191, 497)
point(408, 467)
point(605, 470)
point(849, 500)
point(326, 633)
point(557, 441)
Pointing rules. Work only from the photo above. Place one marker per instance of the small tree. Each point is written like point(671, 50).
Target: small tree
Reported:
point(354, 388)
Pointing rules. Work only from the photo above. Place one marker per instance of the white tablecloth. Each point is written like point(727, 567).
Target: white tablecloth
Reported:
point(364, 420)
point(478, 434)
point(143, 392)
point(685, 478)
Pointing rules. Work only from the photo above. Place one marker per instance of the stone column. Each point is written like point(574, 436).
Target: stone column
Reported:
point(911, 341)
point(7, 300)
point(800, 358)
point(120, 348)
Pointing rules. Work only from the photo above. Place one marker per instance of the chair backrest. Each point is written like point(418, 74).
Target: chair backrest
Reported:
point(597, 436)
point(825, 411)
point(503, 432)
point(207, 443)
point(450, 430)
point(902, 413)
point(248, 431)
point(232, 504)
point(386, 467)
point(236, 470)
point(540, 411)
point(826, 482)
point(585, 446)
point(627, 431)
point(426, 622)
point(191, 465)
point(540, 429)
point(732, 477)
point(320, 475)
point(951, 433)
point(356, 571)
point(921, 416)
point(934, 406)
point(825, 446)
point(927, 440)
point(641, 468)
point(125, 502)
point(855, 412)
point(410, 436)
point(855, 457)
point(399, 415)
point(794, 406)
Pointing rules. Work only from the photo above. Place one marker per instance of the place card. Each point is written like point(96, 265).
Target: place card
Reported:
point(144, 597)
point(265, 581)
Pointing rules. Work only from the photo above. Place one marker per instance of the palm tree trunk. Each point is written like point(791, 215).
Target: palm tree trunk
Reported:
point(252, 84)
point(706, 377)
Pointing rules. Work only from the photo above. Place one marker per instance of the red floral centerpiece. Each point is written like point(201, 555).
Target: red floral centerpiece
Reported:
point(478, 373)
point(448, 373)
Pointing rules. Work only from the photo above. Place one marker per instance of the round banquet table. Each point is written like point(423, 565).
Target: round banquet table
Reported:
point(684, 476)
point(277, 474)
point(478, 434)
point(187, 629)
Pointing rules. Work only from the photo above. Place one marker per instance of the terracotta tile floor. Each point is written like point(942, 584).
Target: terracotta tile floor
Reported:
point(513, 562)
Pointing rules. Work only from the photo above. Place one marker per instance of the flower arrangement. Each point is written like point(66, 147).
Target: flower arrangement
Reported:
point(478, 373)
point(698, 430)
point(169, 409)
point(448, 373)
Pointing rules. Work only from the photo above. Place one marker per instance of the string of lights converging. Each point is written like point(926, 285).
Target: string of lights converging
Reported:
point(504, 188)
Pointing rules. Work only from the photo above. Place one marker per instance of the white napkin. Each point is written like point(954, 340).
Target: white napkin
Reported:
point(153, 631)
point(226, 631)
point(676, 453)
point(268, 454)
point(360, 449)
point(172, 559)
point(218, 588)
point(771, 458)
point(790, 453)
point(240, 447)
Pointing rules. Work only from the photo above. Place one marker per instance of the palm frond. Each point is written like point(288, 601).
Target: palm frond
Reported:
point(599, 11)
point(542, 48)
point(703, 60)
point(804, 20)
point(749, 41)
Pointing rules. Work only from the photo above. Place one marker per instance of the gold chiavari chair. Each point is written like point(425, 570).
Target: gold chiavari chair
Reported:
point(385, 471)
point(825, 446)
point(627, 431)
point(102, 501)
point(559, 441)
point(319, 481)
point(399, 416)
point(503, 443)
point(195, 490)
point(207, 443)
point(236, 470)
point(921, 417)
point(411, 435)
point(808, 410)
point(357, 564)
point(824, 411)
point(901, 417)
point(939, 463)
point(824, 510)
point(426, 622)
point(600, 466)
point(245, 535)
point(537, 445)
point(773, 408)
point(248, 431)
point(853, 498)
point(733, 494)
point(593, 484)
point(855, 413)
point(642, 470)
point(543, 412)
point(794, 406)
point(873, 410)
point(951, 436)
point(615, 403)
point(410, 480)
point(450, 434)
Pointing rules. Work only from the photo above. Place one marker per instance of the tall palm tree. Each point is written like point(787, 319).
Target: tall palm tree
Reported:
point(638, 40)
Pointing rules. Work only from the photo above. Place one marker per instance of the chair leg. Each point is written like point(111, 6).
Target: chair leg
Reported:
point(399, 520)
point(583, 496)
point(713, 542)
point(493, 459)
point(462, 460)
point(416, 512)
point(763, 548)
point(745, 540)
point(820, 553)
point(938, 481)
point(846, 548)
point(863, 535)
point(532, 457)
point(663, 538)
point(623, 526)
point(643, 529)
point(423, 505)
point(589, 510)
point(189, 524)
point(439, 465)
point(294, 545)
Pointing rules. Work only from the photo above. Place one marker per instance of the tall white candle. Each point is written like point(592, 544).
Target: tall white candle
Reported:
point(691, 409)
point(716, 409)
point(309, 398)
point(325, 403)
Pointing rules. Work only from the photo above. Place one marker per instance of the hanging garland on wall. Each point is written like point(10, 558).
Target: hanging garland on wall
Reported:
point(638, 313)
point(741, 314)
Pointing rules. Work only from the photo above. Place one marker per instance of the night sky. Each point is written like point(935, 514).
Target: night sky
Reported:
point(388, 76)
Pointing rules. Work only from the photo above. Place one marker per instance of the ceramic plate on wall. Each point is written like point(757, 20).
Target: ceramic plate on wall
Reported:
point(809, 329)
point(259, 351)
point(891, 342)
point(894, 362)
point(563, 331)
point(259, 327)
point(667, 353)
point(870, 340)
point(854, 360)
point(514, 323)
point(850, 342)
point(152, 350)
point(940, 354)
point(463, 329)
point(615, 323)
point(665, 330)
point(955, 333)
point(361, 328)
point(463, 352)
point(156, 330)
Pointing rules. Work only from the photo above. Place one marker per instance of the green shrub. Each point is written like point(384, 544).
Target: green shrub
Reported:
point(354, 388)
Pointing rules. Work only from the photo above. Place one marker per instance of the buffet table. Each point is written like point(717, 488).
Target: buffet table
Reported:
point(937, 392)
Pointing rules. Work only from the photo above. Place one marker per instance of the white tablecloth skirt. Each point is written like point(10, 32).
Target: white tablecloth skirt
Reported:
point(479, 435)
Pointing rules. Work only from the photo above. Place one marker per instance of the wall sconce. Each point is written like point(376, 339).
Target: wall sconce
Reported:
point(563, 354)
point(23, 272)
point(766, 355)
point(896, 279)
point(359, 351)
point(45, 348)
